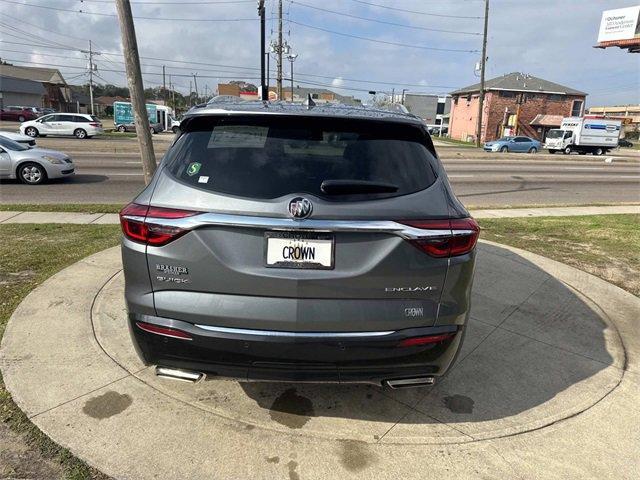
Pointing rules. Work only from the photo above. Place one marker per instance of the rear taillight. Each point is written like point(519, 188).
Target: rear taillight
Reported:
point(164, 331)
point(426, 340)
point(459, 236)
point(138, 224)
point(95, 124)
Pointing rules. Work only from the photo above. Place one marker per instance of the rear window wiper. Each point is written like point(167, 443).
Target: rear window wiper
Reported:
point(349, 187)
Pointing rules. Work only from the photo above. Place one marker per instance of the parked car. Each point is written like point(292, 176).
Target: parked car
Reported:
point(513, 144)
point(321, 244)
point(45, 111)
point(64, 124)
point(18, 137)
point(32, 165)
point(18, 113)
point(623, 142)
point(154, 127)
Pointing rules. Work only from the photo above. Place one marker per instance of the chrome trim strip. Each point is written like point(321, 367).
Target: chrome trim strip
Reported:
point(275, 333)
point(380, 226)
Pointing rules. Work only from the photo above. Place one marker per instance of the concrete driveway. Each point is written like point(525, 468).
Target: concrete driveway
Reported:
point(547, 386)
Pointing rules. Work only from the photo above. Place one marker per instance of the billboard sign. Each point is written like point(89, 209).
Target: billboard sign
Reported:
point(620, 24)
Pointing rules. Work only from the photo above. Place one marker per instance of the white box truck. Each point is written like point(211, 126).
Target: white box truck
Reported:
point(584, 135)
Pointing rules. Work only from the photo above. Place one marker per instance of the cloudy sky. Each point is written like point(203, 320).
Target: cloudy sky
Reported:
point(351, 46)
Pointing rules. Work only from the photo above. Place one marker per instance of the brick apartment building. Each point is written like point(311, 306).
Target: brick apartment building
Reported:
point(515, 104)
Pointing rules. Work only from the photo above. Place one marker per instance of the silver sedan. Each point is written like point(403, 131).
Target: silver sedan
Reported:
point(32, 165)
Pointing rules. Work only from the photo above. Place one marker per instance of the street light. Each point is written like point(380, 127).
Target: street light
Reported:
point(292, 58)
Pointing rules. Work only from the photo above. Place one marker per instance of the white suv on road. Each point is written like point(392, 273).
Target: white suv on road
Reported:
point(77, 124)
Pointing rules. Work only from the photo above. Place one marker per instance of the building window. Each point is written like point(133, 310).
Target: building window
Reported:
point(440, 108)
point(576, 108)
point(506, 94)
point(314, 96)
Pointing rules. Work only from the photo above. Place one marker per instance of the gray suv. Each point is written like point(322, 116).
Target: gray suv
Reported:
point(289, 243)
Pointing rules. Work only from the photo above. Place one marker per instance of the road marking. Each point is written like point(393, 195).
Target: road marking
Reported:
point(461, 176)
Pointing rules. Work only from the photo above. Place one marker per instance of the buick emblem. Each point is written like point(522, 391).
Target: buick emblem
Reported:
point(300, 207)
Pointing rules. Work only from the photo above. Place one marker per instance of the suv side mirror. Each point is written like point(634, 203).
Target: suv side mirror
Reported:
point(2, 150)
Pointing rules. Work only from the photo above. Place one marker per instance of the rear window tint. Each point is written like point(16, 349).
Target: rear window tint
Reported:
point(268, 157)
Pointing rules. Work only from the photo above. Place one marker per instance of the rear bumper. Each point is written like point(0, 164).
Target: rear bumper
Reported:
point(367, 357)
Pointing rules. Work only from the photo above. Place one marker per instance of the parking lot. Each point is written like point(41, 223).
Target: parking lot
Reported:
point(109, 171)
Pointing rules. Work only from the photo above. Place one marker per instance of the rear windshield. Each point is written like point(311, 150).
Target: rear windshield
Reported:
point(268, 157)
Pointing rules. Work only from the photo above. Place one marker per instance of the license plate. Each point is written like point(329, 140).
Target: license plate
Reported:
point(299, 250)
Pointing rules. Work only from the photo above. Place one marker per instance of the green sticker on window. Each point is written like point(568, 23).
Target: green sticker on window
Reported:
point(193, 168)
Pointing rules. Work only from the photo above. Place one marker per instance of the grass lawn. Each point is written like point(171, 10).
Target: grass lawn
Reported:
point(29, 254)
point(607, 246)
point(63, 207)
point(114, 134)
point(452, 141)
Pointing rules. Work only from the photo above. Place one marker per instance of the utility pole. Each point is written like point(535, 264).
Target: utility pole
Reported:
point(279, 51)
point(164, 87)
point(482, 69)
point(292, 58)
point(136, 89)
point(403, 90)
point(393, 95)
point(173, 95)
point(195, 82)
point(263, 83)
point(91, 69)
point(190, 91)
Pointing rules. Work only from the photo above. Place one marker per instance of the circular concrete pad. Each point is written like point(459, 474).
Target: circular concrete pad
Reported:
point(535, 352)
point(550, 369)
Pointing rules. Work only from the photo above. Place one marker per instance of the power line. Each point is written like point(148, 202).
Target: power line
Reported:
point(406, 45)
point(4, 14)
point(122, 71)
point(303, 82)
point(252, 19)
point(381, 21)
point(30, 35)
point(205, 2)
point(413, 11)
point(240, 74)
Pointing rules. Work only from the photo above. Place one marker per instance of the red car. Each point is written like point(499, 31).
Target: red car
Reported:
point(18, 114)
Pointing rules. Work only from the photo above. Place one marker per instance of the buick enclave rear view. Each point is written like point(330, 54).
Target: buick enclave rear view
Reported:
point(287, 243)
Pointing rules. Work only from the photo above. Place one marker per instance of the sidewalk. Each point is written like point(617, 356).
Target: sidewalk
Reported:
point(112, 218)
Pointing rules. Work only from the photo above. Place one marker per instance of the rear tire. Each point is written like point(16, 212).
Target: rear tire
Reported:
point(504, 149)
point(174, 129)
point(31, 173)
point(122, 129)
point(31, 131)
point(598, 151)
point(533, 150)
point(80, 133)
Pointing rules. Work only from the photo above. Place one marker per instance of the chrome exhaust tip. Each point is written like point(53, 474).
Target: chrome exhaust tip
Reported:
point(411, 382)
point(181, 375)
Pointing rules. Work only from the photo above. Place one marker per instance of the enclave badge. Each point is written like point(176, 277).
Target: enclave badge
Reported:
point(300, 207)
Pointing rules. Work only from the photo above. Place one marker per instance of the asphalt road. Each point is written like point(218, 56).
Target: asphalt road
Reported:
point(479, 179)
